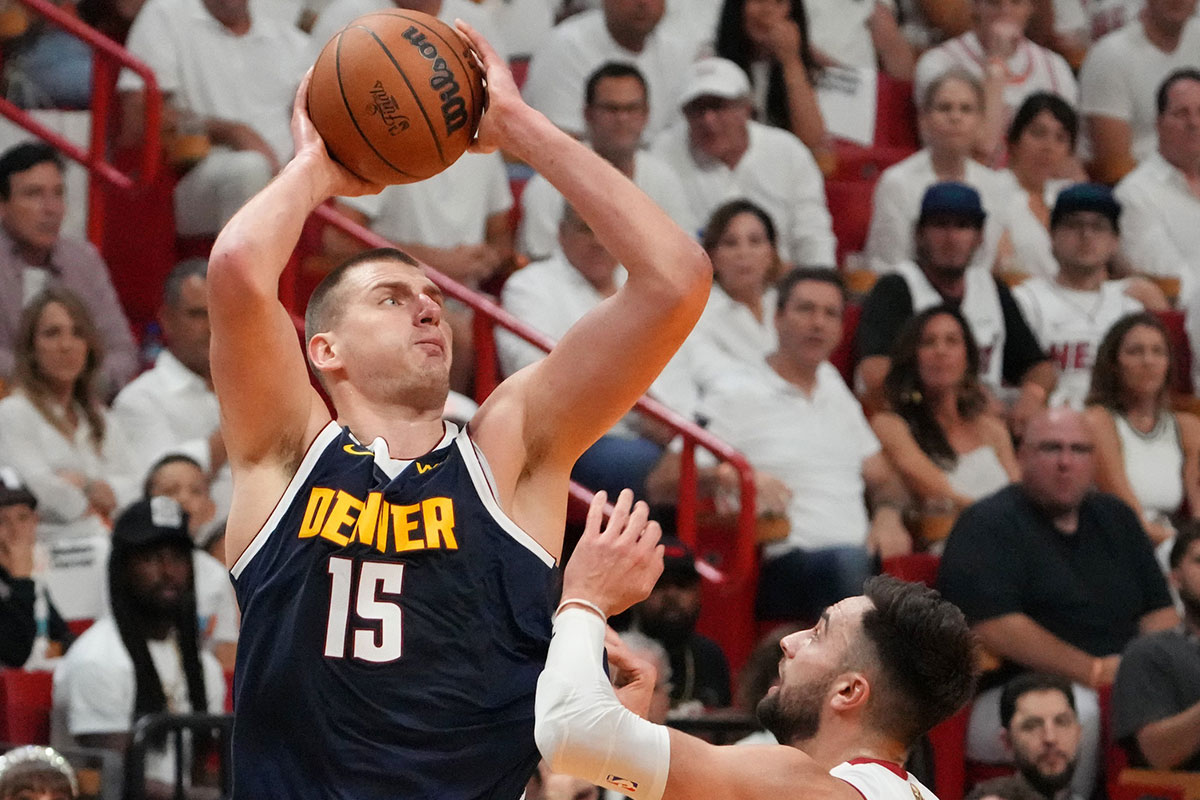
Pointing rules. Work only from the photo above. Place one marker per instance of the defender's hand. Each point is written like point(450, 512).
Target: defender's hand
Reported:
point(618, 565)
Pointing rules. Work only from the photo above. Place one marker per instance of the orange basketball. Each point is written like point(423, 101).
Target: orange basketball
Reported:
point(396, 95)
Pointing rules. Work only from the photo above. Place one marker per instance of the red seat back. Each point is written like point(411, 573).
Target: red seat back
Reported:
point(850, 207)
point(25, 701)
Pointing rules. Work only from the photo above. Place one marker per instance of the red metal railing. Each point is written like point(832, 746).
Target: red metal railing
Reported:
point(108, 58)
point(737, 575)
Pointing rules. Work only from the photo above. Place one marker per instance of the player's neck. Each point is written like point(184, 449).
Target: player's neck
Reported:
point(409, 432)
point(832, 747)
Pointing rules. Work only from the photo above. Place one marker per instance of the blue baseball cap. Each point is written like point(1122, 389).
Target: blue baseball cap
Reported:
point(1086, 197)
point(952, 199)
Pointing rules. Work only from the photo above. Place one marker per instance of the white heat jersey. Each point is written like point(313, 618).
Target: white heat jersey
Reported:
point(1069, 325)
point(880, 780)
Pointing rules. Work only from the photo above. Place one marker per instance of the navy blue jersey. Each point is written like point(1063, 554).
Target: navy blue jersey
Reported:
point(394, 624)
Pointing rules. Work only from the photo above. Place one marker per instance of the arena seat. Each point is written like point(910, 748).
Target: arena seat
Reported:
point(949, 744)
point(1173, 319)
point(914, 567)
point(842, 356)
point(895, 114)
point(25, 701)
point(849, 205)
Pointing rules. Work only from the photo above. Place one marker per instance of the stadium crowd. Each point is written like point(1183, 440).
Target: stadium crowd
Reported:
point(1015, 264)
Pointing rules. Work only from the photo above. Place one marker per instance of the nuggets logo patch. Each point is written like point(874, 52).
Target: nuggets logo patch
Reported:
point(622, 784)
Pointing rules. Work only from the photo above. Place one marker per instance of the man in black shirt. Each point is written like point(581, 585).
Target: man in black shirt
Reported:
point(1156, 699)
point(949, 231)
point(1054, 577)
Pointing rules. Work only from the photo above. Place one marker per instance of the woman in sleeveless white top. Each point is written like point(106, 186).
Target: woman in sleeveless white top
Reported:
point(1146, 454)
point(1040, 142)
point(938, 433)
point(738, 324)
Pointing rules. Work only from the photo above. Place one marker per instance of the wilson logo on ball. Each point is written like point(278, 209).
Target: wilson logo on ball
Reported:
point(385, 106)
point(454, 108)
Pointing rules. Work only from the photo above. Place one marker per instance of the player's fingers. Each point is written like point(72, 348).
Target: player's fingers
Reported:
point(595, 515)
point(620, 514)
point(651, 536)
point(480, 45)
point(638, 518)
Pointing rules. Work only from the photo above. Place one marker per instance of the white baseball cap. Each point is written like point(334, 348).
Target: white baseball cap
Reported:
point(715, 77)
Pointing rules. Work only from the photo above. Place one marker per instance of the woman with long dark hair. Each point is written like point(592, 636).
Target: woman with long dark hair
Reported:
point(769, 40)
point(1146, 454)
point(937, 431)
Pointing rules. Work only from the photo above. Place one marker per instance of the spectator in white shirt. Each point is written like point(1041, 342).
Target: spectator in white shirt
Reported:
point(1161, 197)
point(1120, 77)
point(1070, 313)
point(951, 114)
point(171, 407)
point(622, 30)
point(1040, 142)
point(722, 154)
point(615, 108)
point(53, 429)
point(864, 35)
point(1011, 67)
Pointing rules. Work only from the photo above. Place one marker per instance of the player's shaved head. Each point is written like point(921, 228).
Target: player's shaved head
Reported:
point(325, 304)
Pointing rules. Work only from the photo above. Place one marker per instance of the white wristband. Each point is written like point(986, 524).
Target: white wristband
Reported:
point(581, 727)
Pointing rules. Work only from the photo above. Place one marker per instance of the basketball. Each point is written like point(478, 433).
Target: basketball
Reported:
point(396, 95)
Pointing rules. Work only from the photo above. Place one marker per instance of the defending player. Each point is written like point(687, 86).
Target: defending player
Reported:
point(875, 673)
point(395, 575)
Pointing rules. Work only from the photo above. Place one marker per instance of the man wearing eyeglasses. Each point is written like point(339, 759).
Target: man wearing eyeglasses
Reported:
point(1053, 576)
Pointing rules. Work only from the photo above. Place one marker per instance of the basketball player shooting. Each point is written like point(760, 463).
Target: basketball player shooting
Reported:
point(855, 691)
point(396, 575)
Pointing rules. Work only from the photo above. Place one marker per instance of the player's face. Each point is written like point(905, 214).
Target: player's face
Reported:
point(60, 350)
point(1044, 737)
point(392, 340)
point(951, 122)
point(1084, 241)
point(717, 127)
point(1041, 148)
point(160, 575)
point(942, 354)
point(1186, 579)
point(186, 325)
point(946, 245)
point(1057, 461)
point(187, 485)
point(744, 257)
point(812, 662)
point(1142, 362)
point(617, 116)
point(1179, 124)
point(810, 324)
point(33, 213)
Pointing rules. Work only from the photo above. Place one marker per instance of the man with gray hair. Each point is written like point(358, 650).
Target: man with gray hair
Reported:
point(721, 154)
point(171, 407)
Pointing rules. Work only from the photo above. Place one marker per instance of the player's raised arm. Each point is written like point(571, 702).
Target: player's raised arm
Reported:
point(610, 357)
point(268, 407)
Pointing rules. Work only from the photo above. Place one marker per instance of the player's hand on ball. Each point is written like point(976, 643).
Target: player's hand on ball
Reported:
point(310, 150)
point(502, 92)
point(615, 565)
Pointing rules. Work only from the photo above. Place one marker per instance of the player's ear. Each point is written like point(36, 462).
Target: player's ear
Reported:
point(321, 352)
point(850, 691)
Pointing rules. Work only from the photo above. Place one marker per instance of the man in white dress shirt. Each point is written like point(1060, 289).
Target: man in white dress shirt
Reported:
point(1161, 197)
point(171, 407)
point(615, 108)
point(622, 30)
point(721, 154)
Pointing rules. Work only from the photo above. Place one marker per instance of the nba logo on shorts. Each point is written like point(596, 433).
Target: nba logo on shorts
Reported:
point(622, 784)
